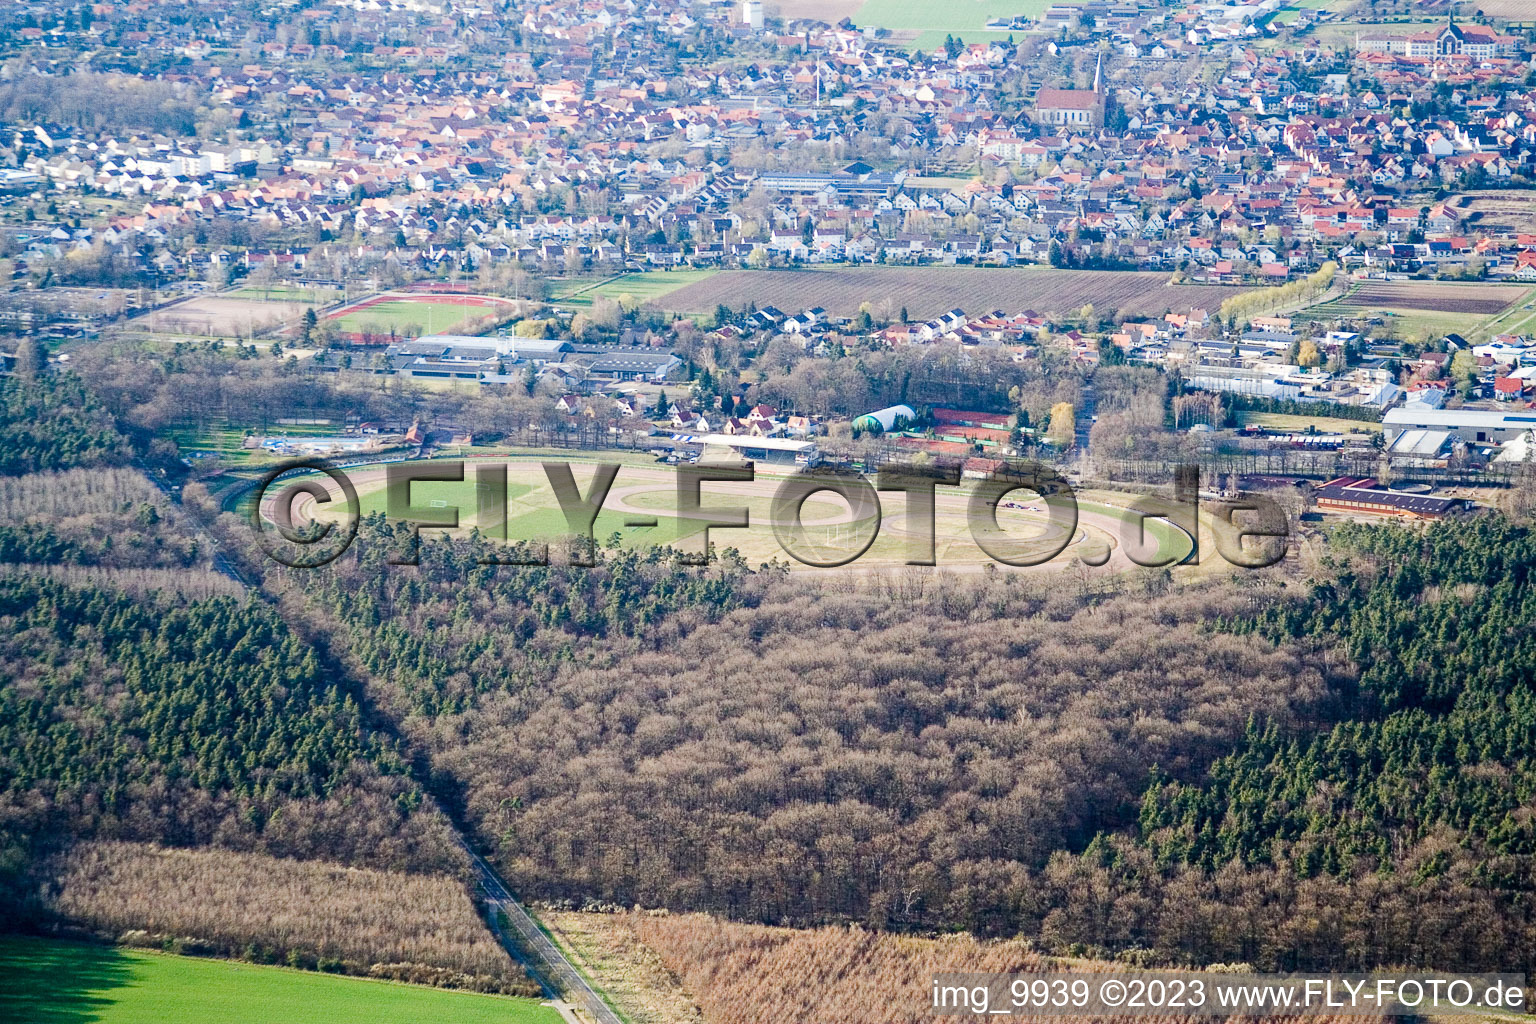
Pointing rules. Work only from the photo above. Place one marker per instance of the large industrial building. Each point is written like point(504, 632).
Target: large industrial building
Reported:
point(1474, 426)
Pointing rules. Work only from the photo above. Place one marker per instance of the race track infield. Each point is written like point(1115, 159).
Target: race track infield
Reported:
point(828, 529)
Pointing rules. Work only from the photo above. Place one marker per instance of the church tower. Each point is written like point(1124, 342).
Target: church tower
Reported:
point(1099, 106)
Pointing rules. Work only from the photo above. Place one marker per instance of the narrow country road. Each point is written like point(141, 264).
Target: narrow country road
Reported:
point(221, 562)
point(1085, 416)
point(532, 948)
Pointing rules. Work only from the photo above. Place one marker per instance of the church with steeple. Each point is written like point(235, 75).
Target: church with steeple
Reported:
point(1074, 107)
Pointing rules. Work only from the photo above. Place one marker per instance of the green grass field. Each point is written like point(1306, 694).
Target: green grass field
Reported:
point(441, 316)
point(646, 286)
point(1416, 323)
point(1424, 324)
point(932, 20)
point(533, 514)
point(1299, 424)
point(1518, 319)
point(48, 982)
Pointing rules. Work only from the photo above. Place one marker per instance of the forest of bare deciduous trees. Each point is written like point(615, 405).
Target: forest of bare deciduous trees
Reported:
point(819, 753)
point(752, 974)
point(305, 913)
point(199, 388)
point(940, 374)
point(105, 102)
point(834, 756)
point(107, 517)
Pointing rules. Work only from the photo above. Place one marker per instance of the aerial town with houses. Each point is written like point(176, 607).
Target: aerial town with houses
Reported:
point(654, 218)
point(767, 511)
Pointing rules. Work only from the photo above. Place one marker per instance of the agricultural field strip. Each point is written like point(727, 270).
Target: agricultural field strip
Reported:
point(644, 286)
point(1448, 298)
point(927, 291)
point(49, 980)
point(1432, 306)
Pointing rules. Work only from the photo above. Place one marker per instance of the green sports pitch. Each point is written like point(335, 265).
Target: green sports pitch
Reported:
point(438, 314)
point(49, 982)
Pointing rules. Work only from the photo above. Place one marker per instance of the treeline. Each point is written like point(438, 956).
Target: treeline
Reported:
point(440, 635)
point(108, 103)
point(935, 375)
point(151, 584)
point(200, 388)
point(191, 723)
point(51, 422)
point(310, 914)
point(1290, 407)
point(110, 517)
point(1244, 307)
point(1402, 834)
point(1132, 419)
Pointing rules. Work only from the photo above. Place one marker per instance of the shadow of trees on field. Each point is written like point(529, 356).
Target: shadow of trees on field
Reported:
point(48, 982)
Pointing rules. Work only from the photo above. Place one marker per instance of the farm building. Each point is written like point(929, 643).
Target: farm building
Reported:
point(539, 350)
point(1352, 494)
point(1426, 445)
point(1473, 425)
point(1264, 383)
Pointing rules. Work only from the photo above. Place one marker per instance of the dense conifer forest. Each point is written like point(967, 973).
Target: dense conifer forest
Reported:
point(53, 422)
point(1402, 833)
